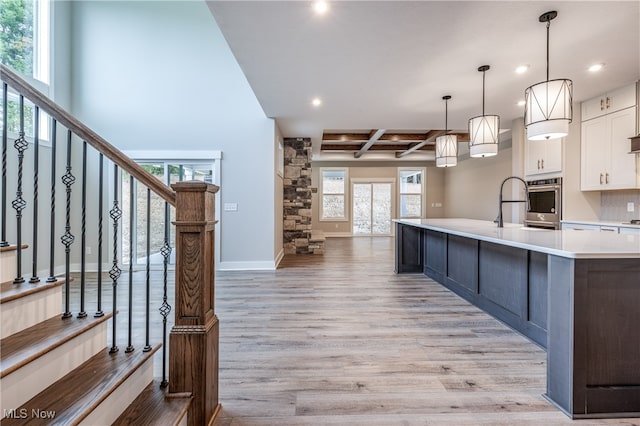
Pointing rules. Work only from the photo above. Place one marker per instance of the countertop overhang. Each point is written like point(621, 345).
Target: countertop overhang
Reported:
point(565, 243)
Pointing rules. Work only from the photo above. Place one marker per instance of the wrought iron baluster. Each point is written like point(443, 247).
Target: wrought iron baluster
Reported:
point(114, 273)
point(19, 203)
point(165, 308)
point(83, 233)
point(68, 238)
point(132, 230)
point(52, 236)
point(36, 152)
point(99, 312)
point(5, 138)
point(147, 346)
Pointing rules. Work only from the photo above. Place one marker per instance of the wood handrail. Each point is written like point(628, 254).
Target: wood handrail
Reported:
point(88, 135)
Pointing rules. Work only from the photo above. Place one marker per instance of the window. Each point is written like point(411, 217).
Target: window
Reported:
point(411, 192)
point(333, 188)
point(25, 47)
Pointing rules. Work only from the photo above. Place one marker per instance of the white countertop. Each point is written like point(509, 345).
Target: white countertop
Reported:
point(568, 243)
point(602, 223)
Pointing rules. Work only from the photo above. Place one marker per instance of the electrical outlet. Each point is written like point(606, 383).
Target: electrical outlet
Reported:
point(630, 207)
point(88, 250)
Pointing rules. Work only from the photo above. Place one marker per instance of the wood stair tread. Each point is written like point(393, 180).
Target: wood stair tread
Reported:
point(155, 407)
point(77, 394)
point(12, 247)
point(10, 291)
point(23, 347)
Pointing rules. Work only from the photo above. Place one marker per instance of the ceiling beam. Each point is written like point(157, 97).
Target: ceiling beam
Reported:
point(377, 147)
point(373, 137)
point(364, 137)
point(432, 134)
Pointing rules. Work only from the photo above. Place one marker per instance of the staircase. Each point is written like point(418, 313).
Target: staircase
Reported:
point(60, 363)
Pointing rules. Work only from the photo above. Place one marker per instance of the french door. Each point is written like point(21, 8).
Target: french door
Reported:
point(372, 208)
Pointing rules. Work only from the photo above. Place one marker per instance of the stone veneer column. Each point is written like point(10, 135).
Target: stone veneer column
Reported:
point(297, 195)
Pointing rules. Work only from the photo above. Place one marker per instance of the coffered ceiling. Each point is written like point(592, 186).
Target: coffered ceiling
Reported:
point(381, 68)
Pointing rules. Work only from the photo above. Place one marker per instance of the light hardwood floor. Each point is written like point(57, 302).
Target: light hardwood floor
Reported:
point(340, 339)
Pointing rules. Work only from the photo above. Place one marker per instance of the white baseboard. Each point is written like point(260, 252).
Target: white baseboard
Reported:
point(337, 234)
point(266, 265)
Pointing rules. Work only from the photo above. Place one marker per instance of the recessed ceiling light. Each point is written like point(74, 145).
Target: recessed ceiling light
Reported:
point(595, 67)
point(320, 7)
point(521, 103)
point(521, 69)
point(316, 102)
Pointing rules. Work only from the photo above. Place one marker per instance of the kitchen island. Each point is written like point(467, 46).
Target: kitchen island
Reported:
point(575, 293)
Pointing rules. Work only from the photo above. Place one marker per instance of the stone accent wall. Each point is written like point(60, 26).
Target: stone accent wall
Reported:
point(297, 195)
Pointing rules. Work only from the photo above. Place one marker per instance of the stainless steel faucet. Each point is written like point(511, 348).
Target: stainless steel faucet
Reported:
point(501, 201)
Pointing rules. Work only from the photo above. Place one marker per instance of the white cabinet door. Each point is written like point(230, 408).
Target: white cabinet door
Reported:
point(612, 101)
point(605, 160)
point(543, 157)
point(622, 172)
point(594, 154)
point(630, 231)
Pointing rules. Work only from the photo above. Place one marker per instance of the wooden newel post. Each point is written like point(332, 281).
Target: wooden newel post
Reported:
point(193, 342)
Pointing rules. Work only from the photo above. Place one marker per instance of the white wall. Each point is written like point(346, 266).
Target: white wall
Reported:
point(159, 75)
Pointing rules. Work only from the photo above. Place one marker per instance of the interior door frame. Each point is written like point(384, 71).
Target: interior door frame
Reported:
point(389, 180)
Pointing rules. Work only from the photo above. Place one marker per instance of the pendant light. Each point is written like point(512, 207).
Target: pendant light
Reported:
point(484, 130)
point(446, 145)
point(548, 106)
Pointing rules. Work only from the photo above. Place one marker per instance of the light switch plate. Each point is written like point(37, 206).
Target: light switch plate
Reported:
point(630, 207)
point(230, 207)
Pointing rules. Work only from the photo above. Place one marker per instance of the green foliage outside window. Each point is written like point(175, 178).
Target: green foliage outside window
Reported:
point(16, 51)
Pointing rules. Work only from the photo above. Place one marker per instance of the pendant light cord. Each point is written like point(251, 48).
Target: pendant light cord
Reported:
point(548, 25)
point(483, 73)
point(446, 114)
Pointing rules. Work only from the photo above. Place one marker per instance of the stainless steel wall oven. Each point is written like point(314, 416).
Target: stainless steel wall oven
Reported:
point(545, 203)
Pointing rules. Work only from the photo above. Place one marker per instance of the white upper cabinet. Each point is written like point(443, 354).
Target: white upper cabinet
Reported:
point(542, 157)
point(612, 101)
point(606, 163)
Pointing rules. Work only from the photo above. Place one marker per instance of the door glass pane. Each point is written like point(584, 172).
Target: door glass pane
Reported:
point(156, 218)
point(361, 208)
point(381, 208)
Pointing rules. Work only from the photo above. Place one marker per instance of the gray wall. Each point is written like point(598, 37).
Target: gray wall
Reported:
point(160, 76)
point(472, 187)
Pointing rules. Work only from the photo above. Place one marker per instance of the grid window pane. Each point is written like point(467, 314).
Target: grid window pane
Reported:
point(333, 181)
point(333, 206)
point(411, 181)
point(410, 205)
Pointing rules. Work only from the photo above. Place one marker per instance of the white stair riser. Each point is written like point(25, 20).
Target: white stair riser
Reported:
point(26, 382)
point(118, 401)
point(28, 311)
point(7, 265)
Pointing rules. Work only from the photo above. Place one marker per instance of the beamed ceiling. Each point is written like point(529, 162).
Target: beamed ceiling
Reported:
point(400, 144)
point(387, 64)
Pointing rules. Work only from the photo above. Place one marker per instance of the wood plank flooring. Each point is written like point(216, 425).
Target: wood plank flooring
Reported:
point(339, 339)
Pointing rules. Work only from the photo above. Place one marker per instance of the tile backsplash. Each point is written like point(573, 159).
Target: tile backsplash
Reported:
point(613, 205)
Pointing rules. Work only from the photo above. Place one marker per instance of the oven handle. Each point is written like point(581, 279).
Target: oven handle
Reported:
point(549, 225)
point(543, 188)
